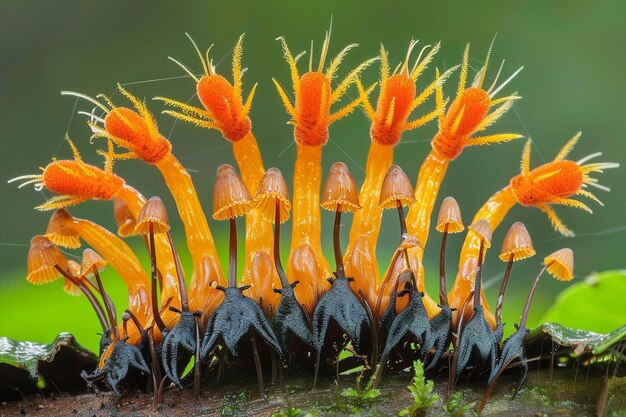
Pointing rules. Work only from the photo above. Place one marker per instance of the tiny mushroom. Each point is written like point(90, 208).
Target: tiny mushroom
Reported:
point(340, 195)
point(517, 245)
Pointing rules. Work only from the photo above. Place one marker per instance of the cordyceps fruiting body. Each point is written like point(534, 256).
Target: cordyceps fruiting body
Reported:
point(302, 316)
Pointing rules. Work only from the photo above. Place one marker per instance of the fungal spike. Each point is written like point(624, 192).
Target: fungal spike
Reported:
point(236, 71)
point(507, 103)
point(184, 68)
point(286, 101)
point(567, 148)
point(572, 203)
point(421, 64)
point(483, 70)
point(364, 96)
point(525, 164)
point(589, 195)
point(508, 80)
point(463, 74)
point(87, 98)
point(495, 80)
point(291, 61)
point(487, 140)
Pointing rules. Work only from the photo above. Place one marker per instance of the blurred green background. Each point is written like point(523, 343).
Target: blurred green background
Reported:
point(573, 80)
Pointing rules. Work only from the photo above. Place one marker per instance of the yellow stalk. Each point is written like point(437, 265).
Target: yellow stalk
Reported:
point(360, 259)
point(306, 261)
point(206, 264)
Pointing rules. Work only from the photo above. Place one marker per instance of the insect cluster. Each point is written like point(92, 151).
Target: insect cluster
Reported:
point(302, 316)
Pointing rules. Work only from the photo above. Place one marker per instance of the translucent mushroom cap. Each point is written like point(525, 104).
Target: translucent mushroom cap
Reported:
point(43, 257)
point(518, 243)
point(230, 195)
point(450, 215)
point(396, 187)
point(272, 188)
point(90, 259)
point(560, 264)
point(340, 188)
point(483, 230)
point(153, 213)
point(409, 241)
point(123, 218)
point(73, 268)
point(58, 234)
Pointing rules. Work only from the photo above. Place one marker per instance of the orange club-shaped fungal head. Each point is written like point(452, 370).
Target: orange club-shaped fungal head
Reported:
point(314, 95)
point(134, 129)
point(398, 96)
point(75, 181)
point(557, 181)
point(224, 108)
point(470, 112)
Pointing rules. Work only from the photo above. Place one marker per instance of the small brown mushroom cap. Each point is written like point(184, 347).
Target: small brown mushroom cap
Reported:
point(230, 195)
point(560, 264)
point(483, 230)
point(409, 241)
point(340, 188)
point(42, 259)
point(518, 243)
point(90, 259)
point(271, 188)
point(450, 215)
point(123, 218)
point(73, 268)
point(153, 213)
point(58, 234)
point(396, 186)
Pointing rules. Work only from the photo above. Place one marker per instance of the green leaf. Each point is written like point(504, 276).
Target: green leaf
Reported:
point(581, 341)
point(595, 304)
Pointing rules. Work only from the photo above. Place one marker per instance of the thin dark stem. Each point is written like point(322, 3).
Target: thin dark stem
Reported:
point(197, 361)
point(257, 364)
point(479, 274)
point(336, 244)
point(455, 351)
point(105, 297)
point(153, 269)
point(443, 291)
point(522, 322)
point(92, 299)
point(132, 316)
point(403, 232)
point(156, 369)
point(184, 300)
point(106, 304)
point(505, 281)
point(277, 262)
point(232, 254)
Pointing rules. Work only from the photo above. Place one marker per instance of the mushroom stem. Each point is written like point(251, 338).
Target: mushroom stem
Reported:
point(479, 274)
point(505, 281)
point(522, 322)
point(336, 243)
point(443, 293)
point(403, 231)
point(184, 300)
point(107, 305)
point(279, 266)
point(92, 299)
point(153, 269)
point(232, 254)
